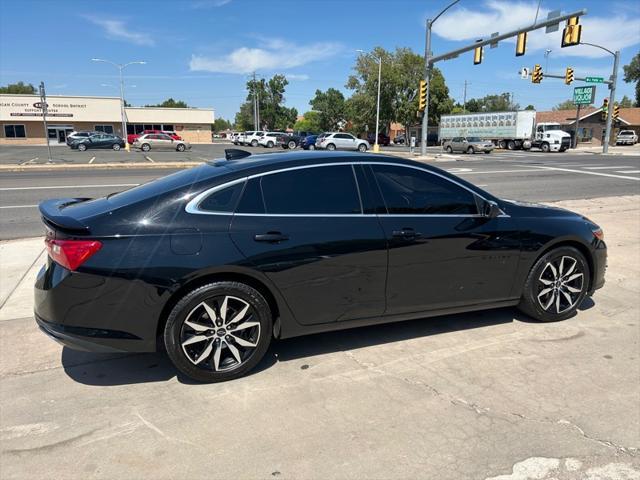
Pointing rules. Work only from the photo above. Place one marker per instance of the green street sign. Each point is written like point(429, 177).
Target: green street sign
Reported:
point(584, 95)
point(594, 79)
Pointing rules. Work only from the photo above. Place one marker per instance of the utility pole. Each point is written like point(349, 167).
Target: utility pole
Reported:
point(427, 77)
point(254, 92)
point(577, 123)
point(43, 104)
point(612, 97)
point(464, 98)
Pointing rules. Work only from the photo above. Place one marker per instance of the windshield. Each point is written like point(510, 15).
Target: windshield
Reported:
point(474, 139)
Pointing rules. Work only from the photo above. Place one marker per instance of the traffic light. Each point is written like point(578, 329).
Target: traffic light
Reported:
point(605, 108)
point(422, 95)
point(568, 76)
point(521, 44)
point(536, 75)
point(477, 55)
point(616, 112)
point(571, 33)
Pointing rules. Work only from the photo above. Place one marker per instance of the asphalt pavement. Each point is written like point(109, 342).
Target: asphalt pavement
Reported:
point(528, 176)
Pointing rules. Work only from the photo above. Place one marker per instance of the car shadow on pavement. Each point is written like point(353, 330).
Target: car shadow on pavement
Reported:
point(124, 369)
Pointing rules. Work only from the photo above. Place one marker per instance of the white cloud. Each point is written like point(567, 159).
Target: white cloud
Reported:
point(297, 76)
point(116, 29)
point(209, 3)
point(272, 54)
point(614, 32)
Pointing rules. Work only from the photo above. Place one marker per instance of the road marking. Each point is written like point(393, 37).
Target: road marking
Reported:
point(628, 171)
point(608, 167)
point(92, 159)
point(60, 187)
point(149, 158)
point(29, 161)
point(494, 171)
point(584, 172)
point(458, 170)
point(19, 206)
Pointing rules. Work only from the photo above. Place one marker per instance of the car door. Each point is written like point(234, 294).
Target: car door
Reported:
point(304, 228)
point(99, 141)
point(165, 142)
point(455, 144)
point(442, 252)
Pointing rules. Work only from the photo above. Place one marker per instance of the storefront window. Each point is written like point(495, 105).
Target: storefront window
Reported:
point(104, 128)
point(15, 131)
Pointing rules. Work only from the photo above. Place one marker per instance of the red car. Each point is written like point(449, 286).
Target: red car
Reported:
point(132, 137)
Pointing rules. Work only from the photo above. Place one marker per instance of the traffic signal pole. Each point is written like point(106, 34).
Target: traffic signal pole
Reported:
point(430, 60)
point(612, 97)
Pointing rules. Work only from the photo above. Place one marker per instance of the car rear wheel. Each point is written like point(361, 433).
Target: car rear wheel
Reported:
point(331, 147)
point(254, 143)
point(291, 144)
point(82, 147)
point(362, 147)
point(502, 144)
point(312, 147)
point(180, 147)
point(556, 285)
point(470, 150)
point(219, 331)
point(145, 147)
point(511, 145)
point(116, 146)
point(449, 149)
point(270, 144)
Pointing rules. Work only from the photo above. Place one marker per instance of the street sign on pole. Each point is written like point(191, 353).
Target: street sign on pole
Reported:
point(594, 79)
point(584, 95)
point(524, 73)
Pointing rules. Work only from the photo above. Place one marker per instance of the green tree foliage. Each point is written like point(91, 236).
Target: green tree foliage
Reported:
point(331, 109)
point(492, 103)
point(401, 74)
point(220, 124)
point(626, 102)
point(529, 107)
point(311, 122)
point(19, 88)
point(170, 103)
point(632, 74)
point(273, 114)
point(566, 105)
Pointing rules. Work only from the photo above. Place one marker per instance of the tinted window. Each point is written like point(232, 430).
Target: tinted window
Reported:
point(223, 200)
point(251, 201)
point(411, 191)
point(319, 190)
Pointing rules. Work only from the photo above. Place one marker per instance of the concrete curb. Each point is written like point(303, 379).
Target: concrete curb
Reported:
point(97, 166)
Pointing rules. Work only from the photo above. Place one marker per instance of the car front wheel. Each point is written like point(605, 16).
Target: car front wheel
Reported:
point(254, 143)
point(180, 147)
point(470, 150)
point(82, 147)
point(145, 147)
point(362, 147)
point(116, 146)
point(291, 145)
point(219, 331)
point(556, 285)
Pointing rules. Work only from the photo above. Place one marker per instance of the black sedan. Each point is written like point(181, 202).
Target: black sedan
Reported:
point(216, 261)
point(98, 140)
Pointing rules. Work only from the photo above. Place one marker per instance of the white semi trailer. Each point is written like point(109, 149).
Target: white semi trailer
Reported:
point(512, 130)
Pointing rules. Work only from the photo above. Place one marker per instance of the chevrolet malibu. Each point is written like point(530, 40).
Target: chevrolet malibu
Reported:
point(214, 262)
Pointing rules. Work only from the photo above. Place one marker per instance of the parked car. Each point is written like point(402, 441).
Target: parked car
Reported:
point(131, 138)
point(160, 141)
point(98, 140)
point(626, 137)
point(309, 142)
point(293, 139)
point(399, 140)
point(342, 141)
point(467, 145)
point(269, 139)
point(383, 139)
point(215, 261)
point(251, 138)
point(75, 136)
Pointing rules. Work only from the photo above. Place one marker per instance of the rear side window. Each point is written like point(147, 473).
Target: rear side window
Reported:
point(224, 200)
point(318, 190)
point(409, 191)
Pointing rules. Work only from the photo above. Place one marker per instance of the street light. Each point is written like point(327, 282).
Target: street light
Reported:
point(120, 67)
point(376, 147)
point(612, 94)
point(427, 75)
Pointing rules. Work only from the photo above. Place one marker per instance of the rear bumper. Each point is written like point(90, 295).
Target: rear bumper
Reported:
point(77, 341)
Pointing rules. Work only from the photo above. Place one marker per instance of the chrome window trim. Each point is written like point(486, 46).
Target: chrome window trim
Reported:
point(192, 206)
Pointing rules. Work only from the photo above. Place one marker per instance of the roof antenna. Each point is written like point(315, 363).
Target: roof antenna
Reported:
point(235, 154)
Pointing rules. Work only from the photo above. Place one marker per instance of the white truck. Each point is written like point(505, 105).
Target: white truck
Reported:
point(513, 130)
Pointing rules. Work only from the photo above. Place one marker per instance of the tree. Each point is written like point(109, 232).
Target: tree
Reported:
point(170, 103)
point(625, 102)
point(566, 105)
point(273, 114)
point(311, 122)
point(221, 124)
point(530, 107)
point(492, 103)
point(330, 108)
point(19, 88)
point(632, 74)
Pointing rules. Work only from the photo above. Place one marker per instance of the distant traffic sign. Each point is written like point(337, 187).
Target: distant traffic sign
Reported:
point(584, 95)
point(594, 79)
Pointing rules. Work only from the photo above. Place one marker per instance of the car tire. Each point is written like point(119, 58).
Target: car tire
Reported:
point(560, 275)
point(82, 147)
point(511, 145)
point(254, 143)
point(145, 147)
point(470, 151)
point(116, 146)
point(362, 148)
point(487, 152)
point(545, 147)
point(449, 149)
point(181, 147)
point(223, 353)
point(270, 144)
point(312, 147)
point(291, 145)
point(331, 147)
point(502, 144)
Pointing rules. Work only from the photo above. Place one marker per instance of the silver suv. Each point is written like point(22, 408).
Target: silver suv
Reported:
point(467, 145)
point(341, 141)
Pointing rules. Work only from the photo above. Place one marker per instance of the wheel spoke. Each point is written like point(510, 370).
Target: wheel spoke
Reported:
point(210, 312)
point(195, 339)
point(550, 302)
point(573, 277)
point(216, 357)
point(561, 268)
point(240, 315)
point(573, 289)
point(557, 302)
point(244, 343)
point(234, 351)
point(205, 353)
point(544, 292)
point(244, 325)
point(573, 266)
point(568, 297)
point(196, 326)
point(546, 282)
point(223, 309)
point(553, 270)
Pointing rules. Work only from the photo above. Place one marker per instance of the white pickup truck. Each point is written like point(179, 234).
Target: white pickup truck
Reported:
point(512, 130)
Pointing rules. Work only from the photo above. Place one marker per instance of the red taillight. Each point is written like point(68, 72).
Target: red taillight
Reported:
point(71, 253)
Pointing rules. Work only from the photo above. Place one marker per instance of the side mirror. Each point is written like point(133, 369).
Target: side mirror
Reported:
point(490, 209)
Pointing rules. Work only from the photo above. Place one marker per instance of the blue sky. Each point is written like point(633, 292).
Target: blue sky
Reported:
point(201, 51)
